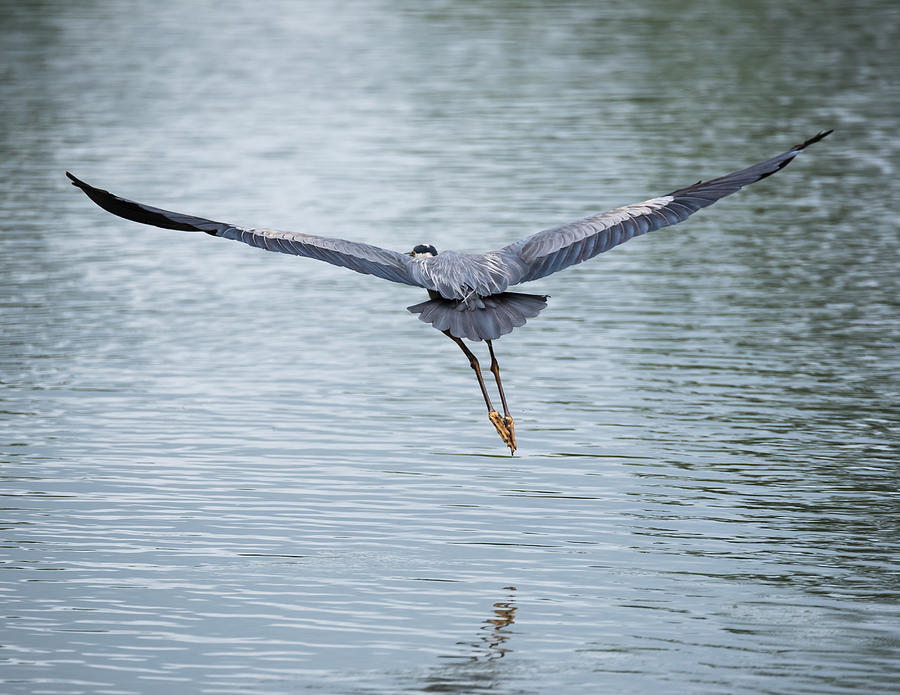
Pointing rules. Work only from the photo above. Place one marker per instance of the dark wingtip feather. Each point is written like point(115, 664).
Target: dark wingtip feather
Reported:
point(78, 183)
point(145, 214)
point(814, 138)
point(795, 150)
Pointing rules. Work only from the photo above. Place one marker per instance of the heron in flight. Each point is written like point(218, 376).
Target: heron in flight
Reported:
point(468, 292)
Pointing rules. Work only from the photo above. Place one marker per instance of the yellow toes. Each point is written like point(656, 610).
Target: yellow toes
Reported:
point(505, 428)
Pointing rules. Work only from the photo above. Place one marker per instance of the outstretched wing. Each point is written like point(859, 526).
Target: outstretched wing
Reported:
point(554, 249)
point(363, 258)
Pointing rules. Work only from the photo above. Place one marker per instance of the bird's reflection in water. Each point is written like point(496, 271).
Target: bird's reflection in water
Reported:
point(479, 671)
point(493, 641)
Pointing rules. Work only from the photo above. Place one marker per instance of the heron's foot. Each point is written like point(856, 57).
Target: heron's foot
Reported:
point(505, 428)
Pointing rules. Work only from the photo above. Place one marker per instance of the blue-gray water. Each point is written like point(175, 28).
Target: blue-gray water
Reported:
point(227, 471)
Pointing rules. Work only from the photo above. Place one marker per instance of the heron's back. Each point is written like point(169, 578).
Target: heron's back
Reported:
point(456, 275)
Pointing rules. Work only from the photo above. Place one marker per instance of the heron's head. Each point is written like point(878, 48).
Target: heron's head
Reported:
point(423, 251)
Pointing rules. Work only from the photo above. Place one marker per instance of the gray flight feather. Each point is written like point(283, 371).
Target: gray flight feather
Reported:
point(554, 249)
point(363, 258)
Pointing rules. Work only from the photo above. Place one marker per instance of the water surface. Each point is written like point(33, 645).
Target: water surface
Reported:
point(227, 471)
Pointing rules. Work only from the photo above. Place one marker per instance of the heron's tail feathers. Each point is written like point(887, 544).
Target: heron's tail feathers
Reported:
point(485, 319)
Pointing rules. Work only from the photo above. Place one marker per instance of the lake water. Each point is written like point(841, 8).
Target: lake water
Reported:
point(227, 471)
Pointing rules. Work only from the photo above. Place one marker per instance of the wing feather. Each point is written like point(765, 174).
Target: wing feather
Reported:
point(557, 248)
point(363, 258)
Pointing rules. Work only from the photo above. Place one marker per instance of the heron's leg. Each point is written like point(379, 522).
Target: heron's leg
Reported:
point(507, 418)
point(473, 363)
point(503, 425)
point(495, 370)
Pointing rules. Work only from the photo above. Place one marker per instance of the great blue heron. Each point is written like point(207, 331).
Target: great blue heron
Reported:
point(468, 296)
